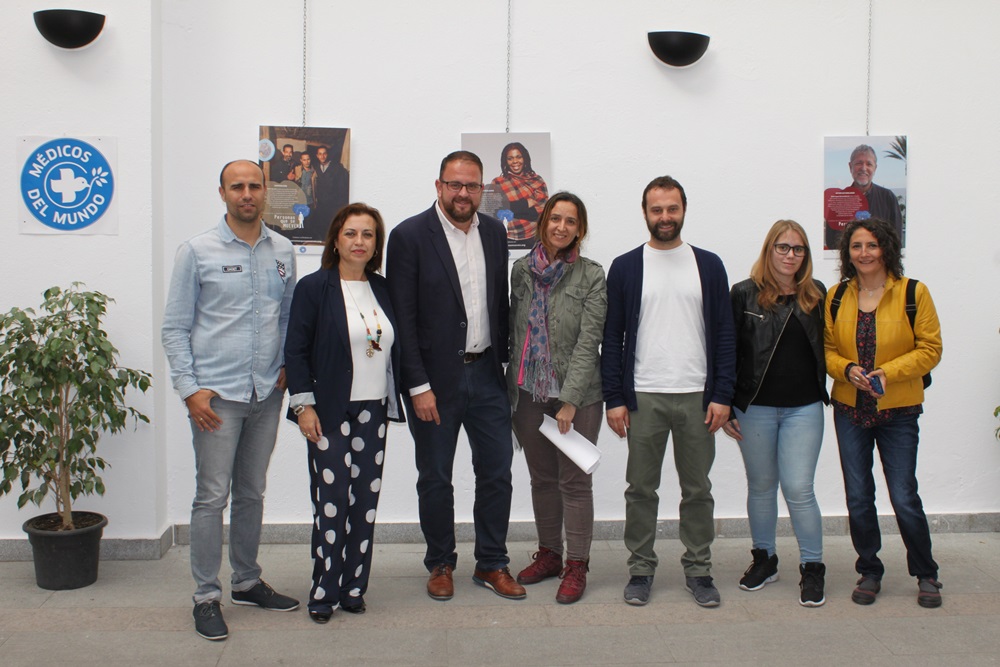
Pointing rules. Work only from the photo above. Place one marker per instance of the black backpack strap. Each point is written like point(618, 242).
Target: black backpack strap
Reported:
point(835, 302)
point(911, 315)
point(911, 301)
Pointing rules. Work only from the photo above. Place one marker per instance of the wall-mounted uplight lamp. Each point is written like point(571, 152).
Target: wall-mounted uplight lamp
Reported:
point(678, 49)
point(69, 28)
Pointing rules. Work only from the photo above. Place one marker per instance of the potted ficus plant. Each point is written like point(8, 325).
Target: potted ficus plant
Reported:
point(61, 388)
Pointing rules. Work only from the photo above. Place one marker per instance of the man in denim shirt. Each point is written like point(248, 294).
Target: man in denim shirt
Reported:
point(224, 332)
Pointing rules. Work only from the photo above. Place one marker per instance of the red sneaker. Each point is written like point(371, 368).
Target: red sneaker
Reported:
point(545, 564)
point(574, 582)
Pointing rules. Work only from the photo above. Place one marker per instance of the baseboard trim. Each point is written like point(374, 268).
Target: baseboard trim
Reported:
point(519, 531)
point(524, 531)
point(111, 548)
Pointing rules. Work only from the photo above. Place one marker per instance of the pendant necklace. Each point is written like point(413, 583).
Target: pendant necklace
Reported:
point(871, 292)
point(373, 343)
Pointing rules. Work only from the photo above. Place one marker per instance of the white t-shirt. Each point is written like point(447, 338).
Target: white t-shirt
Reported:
point(670, 347)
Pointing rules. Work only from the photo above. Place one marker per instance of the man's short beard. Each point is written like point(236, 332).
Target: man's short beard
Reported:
point(239, 215)
point(666, 237)
point(454, 215)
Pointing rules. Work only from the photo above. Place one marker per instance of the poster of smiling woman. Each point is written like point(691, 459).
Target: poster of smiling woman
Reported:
point(516, 166)
point(852, 165)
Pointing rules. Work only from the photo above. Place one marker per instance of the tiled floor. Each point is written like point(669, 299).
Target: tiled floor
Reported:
point(139, 613)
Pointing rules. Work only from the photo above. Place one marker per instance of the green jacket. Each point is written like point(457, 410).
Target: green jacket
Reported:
point(577, 306)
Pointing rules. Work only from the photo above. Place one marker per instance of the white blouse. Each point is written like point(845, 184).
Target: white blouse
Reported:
point(372, 368)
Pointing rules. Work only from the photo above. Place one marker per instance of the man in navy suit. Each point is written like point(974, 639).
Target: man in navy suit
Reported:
point(447, 271)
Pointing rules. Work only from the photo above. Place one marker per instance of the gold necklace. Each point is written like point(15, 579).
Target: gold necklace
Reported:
point(373, 343)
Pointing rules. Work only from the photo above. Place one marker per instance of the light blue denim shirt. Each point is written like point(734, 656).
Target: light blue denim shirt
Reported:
point(227, 311)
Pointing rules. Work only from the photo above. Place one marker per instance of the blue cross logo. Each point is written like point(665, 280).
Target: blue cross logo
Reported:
point(67, 184)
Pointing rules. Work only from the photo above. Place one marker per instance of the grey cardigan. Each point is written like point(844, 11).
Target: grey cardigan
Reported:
point(577, 307)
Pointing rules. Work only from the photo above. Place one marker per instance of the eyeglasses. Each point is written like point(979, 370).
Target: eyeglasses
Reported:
point(783, 248)
point(456, 186)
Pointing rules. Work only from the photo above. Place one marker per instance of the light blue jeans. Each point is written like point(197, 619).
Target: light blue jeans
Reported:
point(234, 457)
point(781, 446)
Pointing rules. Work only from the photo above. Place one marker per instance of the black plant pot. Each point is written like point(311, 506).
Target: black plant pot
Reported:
point(66, 559)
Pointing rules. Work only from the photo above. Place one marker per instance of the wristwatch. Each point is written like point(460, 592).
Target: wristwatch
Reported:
point(299, 409)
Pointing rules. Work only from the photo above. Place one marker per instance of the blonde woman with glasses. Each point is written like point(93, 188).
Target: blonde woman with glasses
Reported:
point(777, 415)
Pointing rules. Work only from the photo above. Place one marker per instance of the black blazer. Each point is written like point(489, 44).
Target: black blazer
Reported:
point(318, 349)
point(427, 298)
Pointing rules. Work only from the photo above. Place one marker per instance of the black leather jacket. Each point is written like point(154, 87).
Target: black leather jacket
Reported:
point(757, 333)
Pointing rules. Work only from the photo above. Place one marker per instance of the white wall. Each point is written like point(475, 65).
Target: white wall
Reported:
point(742, 130)
point(102, 90)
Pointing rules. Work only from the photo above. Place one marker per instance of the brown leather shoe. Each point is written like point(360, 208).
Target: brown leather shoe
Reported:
point(500, 582)
point(440, 586)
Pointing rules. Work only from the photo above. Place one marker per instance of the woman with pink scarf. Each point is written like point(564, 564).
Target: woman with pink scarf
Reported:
point(557, 310)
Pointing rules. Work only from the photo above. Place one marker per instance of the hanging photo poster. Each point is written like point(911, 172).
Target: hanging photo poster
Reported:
point(517, 169)
point(308, 179)
point(852, 165)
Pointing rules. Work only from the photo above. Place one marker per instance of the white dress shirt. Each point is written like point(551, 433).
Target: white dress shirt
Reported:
point(470, 261)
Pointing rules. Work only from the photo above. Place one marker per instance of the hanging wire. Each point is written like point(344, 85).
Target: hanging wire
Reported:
point(868, 97)
point(305, 24)
point(508, 65)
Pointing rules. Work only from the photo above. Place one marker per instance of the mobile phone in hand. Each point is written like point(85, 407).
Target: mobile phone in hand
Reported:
point(876, 384)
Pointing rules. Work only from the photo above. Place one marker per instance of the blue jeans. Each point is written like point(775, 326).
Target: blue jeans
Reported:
point(480, 404)
point(897, 448)
point(234, 457)
point(781, 446)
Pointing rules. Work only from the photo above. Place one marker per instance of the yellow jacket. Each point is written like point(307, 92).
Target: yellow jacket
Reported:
point(904, 355)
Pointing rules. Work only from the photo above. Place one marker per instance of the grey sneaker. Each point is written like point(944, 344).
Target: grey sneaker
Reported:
point(929, 592)
point(637, 590)
point(704, 591)
point(866, 590)
point(262, 595)
point(208, 621)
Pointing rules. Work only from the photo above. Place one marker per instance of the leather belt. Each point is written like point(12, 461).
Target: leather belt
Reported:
point(474, 356)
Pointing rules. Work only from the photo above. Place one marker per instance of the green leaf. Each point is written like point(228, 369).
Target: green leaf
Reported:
point(60, 389)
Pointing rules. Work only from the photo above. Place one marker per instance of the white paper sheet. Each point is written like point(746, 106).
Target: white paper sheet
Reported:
point(580, 451)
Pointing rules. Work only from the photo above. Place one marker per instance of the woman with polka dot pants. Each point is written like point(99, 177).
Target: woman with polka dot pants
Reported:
point(342, 371)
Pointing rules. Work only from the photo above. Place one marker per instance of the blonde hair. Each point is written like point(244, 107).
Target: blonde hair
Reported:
point(762, 273)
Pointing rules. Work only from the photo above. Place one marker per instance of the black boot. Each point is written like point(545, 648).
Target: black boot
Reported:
point(763, 570)
point(811, 585)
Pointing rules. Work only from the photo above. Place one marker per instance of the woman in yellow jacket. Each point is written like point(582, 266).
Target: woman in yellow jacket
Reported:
point(877, 362)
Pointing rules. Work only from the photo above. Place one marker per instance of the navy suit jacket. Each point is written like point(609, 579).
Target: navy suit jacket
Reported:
point(427, 299)
point(318, 349)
